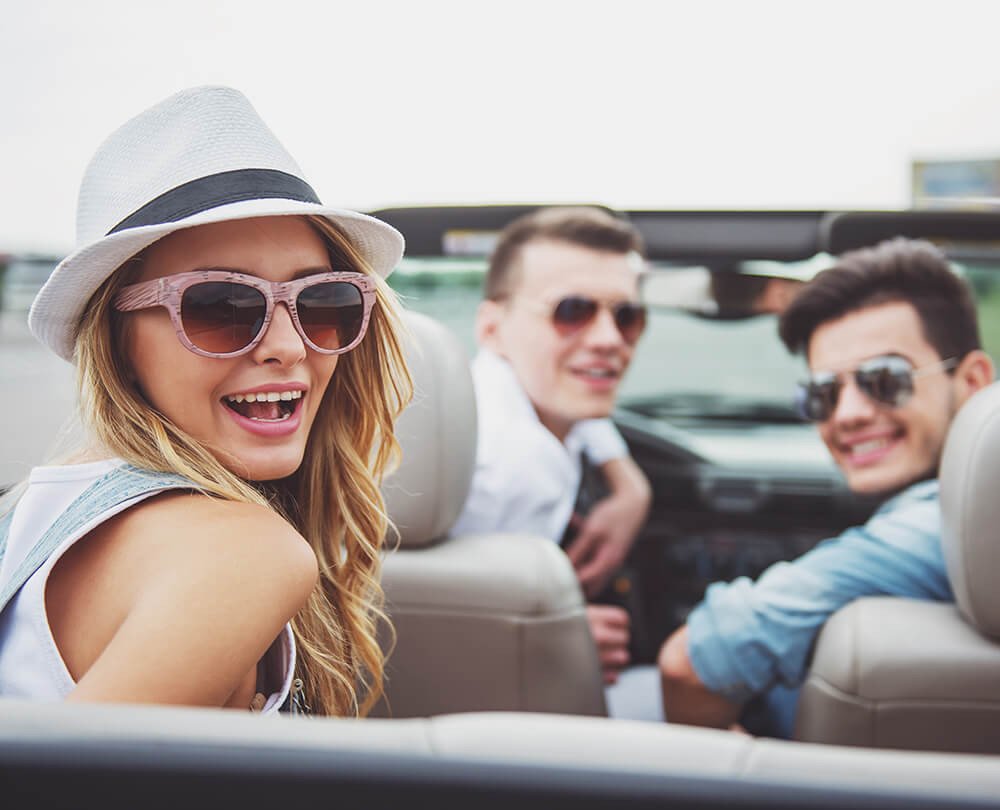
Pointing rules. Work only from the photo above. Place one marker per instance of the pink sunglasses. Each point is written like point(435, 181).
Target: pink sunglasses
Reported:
point(219, 313)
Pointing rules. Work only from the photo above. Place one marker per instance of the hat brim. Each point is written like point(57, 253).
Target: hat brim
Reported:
point(55, 313)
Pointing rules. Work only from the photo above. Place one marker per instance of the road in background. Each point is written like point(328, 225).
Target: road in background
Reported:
point(37, 392)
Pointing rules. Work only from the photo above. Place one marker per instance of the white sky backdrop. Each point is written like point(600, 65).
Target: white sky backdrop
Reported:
point(707, 104)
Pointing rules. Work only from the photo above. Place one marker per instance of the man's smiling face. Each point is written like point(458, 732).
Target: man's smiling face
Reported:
point(880, 448)
point(568, 376)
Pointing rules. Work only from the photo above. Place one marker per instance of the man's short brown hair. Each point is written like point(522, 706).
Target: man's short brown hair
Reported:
point(587, 227)
point(912, 271)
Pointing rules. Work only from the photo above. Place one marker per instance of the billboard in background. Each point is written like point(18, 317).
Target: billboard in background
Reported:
point(970, 184)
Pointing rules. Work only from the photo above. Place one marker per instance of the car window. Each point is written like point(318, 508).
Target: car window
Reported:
point(984, 278)
point(689, 364)
point(694, 361)
point(690, 361)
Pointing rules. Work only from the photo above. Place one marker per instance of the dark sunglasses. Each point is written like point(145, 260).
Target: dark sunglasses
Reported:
point(575, 312)
point(219, 313)
point(887, 380)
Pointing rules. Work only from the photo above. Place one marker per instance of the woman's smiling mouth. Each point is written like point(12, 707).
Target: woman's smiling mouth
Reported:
point(265, 406)
point(268, 412)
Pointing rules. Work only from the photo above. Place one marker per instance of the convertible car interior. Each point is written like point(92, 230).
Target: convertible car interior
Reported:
point(490, 622)
point(494, 692)
point(887, 673)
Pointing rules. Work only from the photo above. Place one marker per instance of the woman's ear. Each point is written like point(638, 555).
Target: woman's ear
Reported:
point(973, 373)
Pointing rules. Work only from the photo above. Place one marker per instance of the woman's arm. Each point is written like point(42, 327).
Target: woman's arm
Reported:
point(176, 600)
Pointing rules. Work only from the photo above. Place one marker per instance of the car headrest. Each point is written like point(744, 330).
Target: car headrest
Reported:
point(437, 432)
point(970, 509)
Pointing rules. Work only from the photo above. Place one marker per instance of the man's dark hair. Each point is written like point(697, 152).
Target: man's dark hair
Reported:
point(592, 228)
point(912, 271)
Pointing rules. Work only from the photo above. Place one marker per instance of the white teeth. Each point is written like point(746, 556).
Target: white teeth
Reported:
point(266, 396)
point(598, 372)
point(869, 446)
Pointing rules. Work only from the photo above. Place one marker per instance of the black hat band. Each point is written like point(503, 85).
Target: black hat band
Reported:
point(217, 190)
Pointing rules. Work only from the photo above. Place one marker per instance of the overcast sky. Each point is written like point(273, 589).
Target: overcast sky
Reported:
point(713, 104)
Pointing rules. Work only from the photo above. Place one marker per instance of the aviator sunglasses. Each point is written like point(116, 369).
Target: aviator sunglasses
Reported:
point(574, 312)
point(220, 313)
point(887, 380)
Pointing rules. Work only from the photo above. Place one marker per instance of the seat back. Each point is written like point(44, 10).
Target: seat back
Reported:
point(483, 621)
point(900, 673)
point(970, 510)
point(437, 433)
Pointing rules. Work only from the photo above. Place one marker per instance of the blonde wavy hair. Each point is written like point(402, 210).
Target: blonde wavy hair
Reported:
point(333, 499)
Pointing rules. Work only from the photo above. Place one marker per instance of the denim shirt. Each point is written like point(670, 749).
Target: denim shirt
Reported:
point(746, 637)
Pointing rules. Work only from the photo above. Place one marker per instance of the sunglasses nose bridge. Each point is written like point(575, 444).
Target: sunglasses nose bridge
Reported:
point(603, 327)
point(852, 403)
point(281, 339)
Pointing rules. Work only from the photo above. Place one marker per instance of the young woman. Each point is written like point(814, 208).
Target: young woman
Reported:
point(217, 540)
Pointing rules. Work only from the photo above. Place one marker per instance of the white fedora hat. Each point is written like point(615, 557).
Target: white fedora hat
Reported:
point(203, 155)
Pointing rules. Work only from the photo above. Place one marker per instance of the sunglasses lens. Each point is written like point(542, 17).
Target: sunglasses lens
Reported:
point(817, 400)
point(888, 380)
point(332, 314)
point(221, 316)
point(572, 313)
point(631, 321)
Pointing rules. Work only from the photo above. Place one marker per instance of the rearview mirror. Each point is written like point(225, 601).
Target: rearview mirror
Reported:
point(747, 290)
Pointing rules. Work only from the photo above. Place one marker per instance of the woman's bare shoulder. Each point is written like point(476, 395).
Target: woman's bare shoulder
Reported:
point(192, 528)
point(178, 542)
point(167, 569)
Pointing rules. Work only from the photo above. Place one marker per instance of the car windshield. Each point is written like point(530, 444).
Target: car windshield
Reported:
point(696, 359)
point(690, 366)
point(710, 358)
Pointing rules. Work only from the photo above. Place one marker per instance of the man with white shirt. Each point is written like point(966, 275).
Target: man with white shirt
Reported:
point(556, 333)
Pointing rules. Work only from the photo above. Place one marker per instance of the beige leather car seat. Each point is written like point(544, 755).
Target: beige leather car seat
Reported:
point(483, 622)
point(901, 673)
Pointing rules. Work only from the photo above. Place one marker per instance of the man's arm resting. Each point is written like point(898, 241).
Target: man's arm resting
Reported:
point(685, 698)
point(629, 486)
point(606, 535)
point(745, 637)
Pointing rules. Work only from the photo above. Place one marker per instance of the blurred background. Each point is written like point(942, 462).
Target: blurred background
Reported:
point(720, 104)
point(632, 103)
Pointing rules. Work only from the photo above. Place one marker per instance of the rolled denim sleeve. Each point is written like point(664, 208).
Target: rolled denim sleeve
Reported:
point(746, 636)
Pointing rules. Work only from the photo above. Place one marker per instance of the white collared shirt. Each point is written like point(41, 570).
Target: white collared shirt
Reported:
point(526, 480)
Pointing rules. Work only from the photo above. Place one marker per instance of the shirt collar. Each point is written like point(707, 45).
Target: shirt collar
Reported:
point(497, 386)
point(921, 491)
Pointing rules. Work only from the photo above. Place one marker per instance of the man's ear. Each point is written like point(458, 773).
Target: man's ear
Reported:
point(973, 373)
point(488, 319)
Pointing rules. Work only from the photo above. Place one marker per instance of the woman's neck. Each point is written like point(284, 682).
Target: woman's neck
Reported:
point(85, 455)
